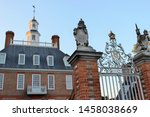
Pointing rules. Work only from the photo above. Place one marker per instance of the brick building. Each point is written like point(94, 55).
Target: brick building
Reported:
point(38, 70)
point(34, 70)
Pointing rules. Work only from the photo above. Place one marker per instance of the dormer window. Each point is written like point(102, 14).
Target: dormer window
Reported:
point(21, 59)
point(36, 59)
point(2, 58)
point(65, 61)
point(50, 60)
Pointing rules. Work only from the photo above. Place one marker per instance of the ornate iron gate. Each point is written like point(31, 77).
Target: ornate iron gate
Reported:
point(119, 79)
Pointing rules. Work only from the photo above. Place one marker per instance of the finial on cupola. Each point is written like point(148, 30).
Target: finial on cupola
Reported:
point(33, 11)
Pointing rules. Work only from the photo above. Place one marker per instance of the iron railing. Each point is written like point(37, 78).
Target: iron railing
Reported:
point(30, 43)
point(121, 85)
point(36, 90)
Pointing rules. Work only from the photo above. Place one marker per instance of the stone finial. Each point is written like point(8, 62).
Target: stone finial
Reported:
point(81, 37)
point(81, 34)
point(81, 24)
point(142, 40)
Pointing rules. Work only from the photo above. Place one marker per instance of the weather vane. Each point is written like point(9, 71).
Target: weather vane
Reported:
point(33, 11)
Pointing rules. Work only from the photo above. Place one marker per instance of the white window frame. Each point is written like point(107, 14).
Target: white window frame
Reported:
point(69, 80)
point(3, 55)
point(2, 83)
point(23, 78)
point(53, 83)
point(19, 59)
point(34, 62)
point(39, 81)
point(65, 61)
point(48, 59)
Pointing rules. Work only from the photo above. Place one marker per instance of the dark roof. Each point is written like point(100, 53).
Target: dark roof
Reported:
point(13, 51)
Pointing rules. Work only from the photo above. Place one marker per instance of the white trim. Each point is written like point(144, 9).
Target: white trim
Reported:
point(66, 62)
point(25, 44)
point(48, 60)
point(69, 80)
point(1, 88)
point(19, 59)
point(22, 82)
point(4, 60)
point(39, 70)
point(39, 76)
point(53, 82)
point(34, 62)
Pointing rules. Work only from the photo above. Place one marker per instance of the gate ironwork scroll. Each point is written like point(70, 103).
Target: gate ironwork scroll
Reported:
point(119, 79)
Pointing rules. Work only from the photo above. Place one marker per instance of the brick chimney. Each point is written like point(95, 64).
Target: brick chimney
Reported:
point(9, 38)
point(55, 41)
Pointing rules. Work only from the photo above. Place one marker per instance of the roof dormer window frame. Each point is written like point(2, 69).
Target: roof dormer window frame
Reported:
point(66, 62)
point(50, 60)
point(36, 59)
point(2, 58)
point(20, 61)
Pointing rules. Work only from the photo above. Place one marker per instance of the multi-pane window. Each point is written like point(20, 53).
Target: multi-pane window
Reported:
point(1, 81)
point(20, 81)
point(69, 82)
point(51, 82)
point(36, 80)
point(21, 59)
point(2, 58)
point(36, 59)
point(50, 60)
point(33, 37)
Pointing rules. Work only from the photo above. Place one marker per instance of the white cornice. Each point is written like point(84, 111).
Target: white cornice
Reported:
point(36, 70)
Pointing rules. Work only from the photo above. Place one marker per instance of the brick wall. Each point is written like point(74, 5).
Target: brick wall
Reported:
point(86, 82)
point(142, 62)
point(10, 85)
point(145, 69)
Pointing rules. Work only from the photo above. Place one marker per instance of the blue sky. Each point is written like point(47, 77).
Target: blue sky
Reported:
point(61, 17)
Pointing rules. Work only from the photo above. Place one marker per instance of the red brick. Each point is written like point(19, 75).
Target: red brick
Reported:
point(10, 86)
point(81, 72)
